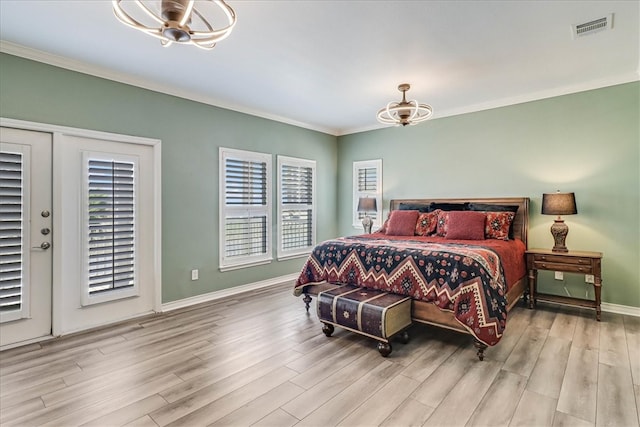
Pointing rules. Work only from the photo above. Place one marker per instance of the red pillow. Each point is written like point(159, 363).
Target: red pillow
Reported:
point(497, 225)
point(443, 220)
point(402, 223)
point(466, 225)
point(427, 223)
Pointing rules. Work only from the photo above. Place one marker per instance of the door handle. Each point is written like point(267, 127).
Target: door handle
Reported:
point(44, 246)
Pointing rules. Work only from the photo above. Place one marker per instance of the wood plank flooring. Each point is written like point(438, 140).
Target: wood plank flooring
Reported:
point(260, 359)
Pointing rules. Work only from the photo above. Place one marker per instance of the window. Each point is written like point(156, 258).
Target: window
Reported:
point(110, 227)
point(367, 182)
point(245, 208)
point(296, 206)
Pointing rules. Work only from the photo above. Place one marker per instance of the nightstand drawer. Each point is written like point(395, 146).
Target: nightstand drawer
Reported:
point(559, 259)
point(563, 266)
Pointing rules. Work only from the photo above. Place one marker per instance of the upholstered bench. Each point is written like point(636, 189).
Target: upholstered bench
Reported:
point(376, 314)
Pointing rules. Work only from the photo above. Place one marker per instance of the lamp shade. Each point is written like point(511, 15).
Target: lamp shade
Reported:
point(559, 204)
point(367, 204)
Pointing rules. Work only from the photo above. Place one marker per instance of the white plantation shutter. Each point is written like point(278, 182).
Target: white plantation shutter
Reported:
point(13, 269)
point(296, 206)
point(110, 220)
point(245, 236)
point(367, 182)
point(245, 215)
point(245, 182)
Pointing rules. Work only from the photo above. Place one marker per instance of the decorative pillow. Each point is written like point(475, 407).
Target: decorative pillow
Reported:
point(488, 207)
point(402, 223)
point(420, 207)
point(497, 225)
point(443, 220)
point(466, 225)
point(427, 223)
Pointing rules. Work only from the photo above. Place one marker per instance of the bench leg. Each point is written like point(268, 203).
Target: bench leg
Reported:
point(327, 329)
point(307, 301)
point(384, 348)
point(404, 337)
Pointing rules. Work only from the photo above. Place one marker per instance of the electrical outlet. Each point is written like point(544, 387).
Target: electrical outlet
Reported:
point(194, 274)
point(589, 278)
point(559, 275)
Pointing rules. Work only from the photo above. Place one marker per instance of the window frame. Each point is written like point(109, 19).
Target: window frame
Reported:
point(282, 253)
point(87, 298)
point(236, 262)
point(377, 193)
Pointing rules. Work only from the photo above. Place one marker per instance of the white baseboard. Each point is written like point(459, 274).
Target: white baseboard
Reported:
point(620, 309)
point(211, 296)
point(26, 342)
point(83, 330)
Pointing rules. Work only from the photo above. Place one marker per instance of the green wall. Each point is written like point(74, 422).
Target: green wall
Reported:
point(587, 143)
point(191, 134)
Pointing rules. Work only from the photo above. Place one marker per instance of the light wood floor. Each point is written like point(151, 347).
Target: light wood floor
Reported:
point(261, 360)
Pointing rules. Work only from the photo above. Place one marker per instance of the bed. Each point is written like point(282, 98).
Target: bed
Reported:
point(490, 273)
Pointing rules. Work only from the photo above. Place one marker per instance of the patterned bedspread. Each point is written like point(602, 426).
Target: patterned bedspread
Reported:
point(465, 279)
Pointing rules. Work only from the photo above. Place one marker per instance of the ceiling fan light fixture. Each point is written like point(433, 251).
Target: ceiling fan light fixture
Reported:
point(404, 112)
point(176, 21)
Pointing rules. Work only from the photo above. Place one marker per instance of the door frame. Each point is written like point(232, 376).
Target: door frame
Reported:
point(59, 132)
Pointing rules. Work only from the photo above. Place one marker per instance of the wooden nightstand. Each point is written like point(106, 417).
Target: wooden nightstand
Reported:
point(570, 262)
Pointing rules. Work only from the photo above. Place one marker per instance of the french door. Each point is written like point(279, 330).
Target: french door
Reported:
point(85, 252)
point(107, 247)
point(25, 235)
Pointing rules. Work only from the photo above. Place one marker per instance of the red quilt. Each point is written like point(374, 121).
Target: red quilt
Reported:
point(467, 279)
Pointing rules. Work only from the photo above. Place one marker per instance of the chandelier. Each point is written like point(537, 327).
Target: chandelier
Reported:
point(176, 21)
point(404, 112)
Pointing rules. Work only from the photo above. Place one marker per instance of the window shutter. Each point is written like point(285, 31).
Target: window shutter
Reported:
point(297, 185)
point(245, 236)
point(367, 179)
point(111, 226)
point(296, 229)
point(245, 182)
point(11, 231)
point(296, 205)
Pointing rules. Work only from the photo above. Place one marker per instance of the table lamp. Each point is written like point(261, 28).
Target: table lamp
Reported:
point(559, 204)
point(367, 204)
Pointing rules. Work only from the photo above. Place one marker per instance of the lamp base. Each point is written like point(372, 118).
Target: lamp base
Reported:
point(367, 222)
point(559, 231)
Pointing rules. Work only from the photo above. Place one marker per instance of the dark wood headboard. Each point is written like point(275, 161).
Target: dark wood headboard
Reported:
point(520, 222)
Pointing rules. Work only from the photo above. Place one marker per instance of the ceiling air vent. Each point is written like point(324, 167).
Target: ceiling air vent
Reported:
point(591, 27)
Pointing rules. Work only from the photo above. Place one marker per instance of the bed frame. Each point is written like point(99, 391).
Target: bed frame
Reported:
point(426, 312)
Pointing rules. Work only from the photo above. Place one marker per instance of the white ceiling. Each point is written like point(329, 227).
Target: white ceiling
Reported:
point(330, 65)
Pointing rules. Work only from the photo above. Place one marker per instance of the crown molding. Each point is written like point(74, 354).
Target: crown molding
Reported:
point(93, 70)
point(520, 99)
point(545, 94)
point(97, 71)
